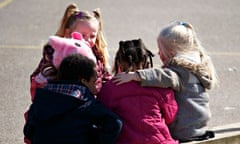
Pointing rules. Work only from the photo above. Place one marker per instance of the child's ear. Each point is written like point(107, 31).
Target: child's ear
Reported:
point(83, 81)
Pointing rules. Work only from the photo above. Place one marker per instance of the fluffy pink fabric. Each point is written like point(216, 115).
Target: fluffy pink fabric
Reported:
point(66, 46)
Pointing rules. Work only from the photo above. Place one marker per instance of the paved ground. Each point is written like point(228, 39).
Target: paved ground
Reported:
point(25, 25)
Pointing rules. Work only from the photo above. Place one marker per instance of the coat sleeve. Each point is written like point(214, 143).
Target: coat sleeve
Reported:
point(47, 56)
point(160, 77)
point(168, 105)
point(102, 74)
point(29, 127)
point(108, 123)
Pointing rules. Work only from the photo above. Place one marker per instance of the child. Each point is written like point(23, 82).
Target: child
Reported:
point(190, 72)
point(89, 24)
point(145, 112)
point(65, 111)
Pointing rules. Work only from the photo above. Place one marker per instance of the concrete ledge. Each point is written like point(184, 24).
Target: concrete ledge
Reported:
point(227, 134)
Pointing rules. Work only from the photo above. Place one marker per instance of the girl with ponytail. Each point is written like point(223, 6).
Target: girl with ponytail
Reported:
point(89, 24)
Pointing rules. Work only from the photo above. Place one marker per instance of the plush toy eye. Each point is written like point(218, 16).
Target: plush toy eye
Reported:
point(77, 44)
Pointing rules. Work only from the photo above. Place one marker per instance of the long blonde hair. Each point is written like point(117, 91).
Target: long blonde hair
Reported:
point(181, 38)
point(69, 20)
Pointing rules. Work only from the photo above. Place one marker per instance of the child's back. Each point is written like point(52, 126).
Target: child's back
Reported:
point(66, 111)
point(144, 112)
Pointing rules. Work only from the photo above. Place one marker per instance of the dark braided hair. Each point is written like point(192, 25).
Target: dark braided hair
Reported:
point(132, 53)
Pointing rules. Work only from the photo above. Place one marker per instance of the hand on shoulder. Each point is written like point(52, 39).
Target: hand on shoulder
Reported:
point(124, 77)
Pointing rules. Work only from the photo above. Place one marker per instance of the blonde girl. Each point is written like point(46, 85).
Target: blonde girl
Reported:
point(89, 24)
point(190, 72)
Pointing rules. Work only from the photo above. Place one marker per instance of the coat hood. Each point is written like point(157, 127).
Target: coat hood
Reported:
point(198, 69)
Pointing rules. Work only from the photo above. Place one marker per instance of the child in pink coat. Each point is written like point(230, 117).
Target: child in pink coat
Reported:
point(145, 112)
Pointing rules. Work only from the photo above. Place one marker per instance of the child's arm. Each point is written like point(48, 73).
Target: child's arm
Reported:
point(47, 55)
point(29, 127)
point(108, 124)
point(38, 81)
point(126, 77)
point(102, 74)
point(168, 105)
point(160, 77)
point(152, 77)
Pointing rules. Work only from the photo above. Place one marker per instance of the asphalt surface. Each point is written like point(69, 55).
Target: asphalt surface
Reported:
point(25, 26)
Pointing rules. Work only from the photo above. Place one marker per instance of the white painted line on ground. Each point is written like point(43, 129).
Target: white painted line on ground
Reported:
point(40, 47)
point(22, 46)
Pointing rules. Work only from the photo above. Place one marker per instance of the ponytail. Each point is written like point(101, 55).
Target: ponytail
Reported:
point(132, 55)
point(101, 43)
point(71, 14)
point(70, 10)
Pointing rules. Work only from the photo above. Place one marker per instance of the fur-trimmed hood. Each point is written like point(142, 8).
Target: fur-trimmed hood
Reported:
point(198, 69)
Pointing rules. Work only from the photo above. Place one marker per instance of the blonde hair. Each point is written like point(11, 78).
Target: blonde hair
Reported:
point(71, 15)
point(181, 38)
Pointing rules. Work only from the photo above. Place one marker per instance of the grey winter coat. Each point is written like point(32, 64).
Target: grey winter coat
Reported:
point(191, 95)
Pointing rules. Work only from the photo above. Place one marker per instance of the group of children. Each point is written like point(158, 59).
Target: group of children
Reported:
point(83, 102)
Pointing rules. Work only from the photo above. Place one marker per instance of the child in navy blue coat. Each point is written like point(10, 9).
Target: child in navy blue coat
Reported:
point(66, 111)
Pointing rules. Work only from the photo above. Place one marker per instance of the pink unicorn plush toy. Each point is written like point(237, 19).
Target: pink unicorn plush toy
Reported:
point(67, 46)
point(63, 47)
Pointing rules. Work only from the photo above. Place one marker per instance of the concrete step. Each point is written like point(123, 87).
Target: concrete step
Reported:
point(226, 134)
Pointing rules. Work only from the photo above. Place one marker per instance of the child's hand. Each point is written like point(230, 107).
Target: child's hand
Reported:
point(40, 79)
point(125, 77)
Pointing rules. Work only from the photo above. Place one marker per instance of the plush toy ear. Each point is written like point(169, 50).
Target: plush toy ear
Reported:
point(77, 36)
point(65, 46)
point(58, 44)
